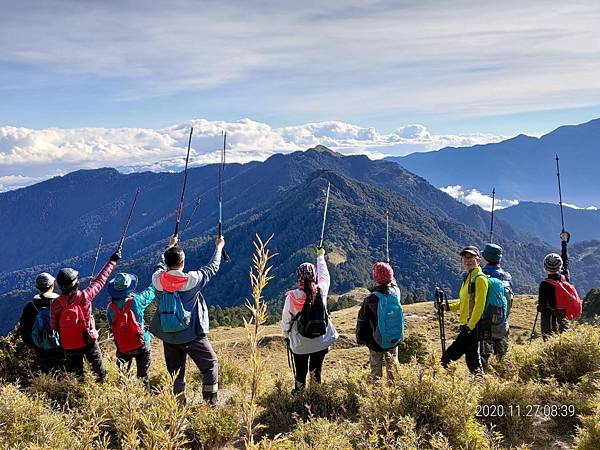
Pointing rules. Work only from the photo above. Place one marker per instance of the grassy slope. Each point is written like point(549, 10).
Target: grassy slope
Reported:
point(420, 319)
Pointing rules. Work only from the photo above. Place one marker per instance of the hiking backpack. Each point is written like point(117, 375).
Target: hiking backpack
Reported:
point(390, 321)
point(313, 319)
point(126, 330)
point(496, 305)
point(172, 314)
point(42, 334)
point(567, 298)
point(72, 327)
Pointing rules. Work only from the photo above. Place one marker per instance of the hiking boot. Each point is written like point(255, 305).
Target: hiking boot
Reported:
point(210, 397)
point(298, 388)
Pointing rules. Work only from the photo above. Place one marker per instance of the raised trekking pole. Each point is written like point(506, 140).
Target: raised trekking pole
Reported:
point(492, 222)
point(96, 258)
point(440, 300)
point(387, 237)
point(324, 215)
point(187, 222)
point(221, 169)
point(562, 219)
point(534, 324)
point(180, 209)
point(122, 239)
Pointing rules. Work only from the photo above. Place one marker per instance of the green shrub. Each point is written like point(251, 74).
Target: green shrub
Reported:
point(413, 345)
point(28, 421)
point(506, 407)
point(319, 434)
point(210, 427)
point(438, 401)
point(61, 389)
point(338, 398)
point(588, 434)
point(16, 366)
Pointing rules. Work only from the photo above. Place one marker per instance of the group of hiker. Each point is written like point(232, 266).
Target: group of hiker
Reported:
point(60, 331)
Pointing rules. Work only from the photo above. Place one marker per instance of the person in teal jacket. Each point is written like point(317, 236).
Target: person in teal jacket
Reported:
point(125, 316)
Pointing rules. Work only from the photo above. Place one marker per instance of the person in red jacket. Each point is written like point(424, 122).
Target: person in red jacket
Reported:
point(71, 316)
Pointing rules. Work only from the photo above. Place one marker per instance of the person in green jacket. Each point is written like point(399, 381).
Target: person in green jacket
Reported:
point(473, 293)
point(125, 316)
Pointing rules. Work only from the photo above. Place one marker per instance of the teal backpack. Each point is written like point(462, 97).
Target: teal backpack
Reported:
point(390, 321)
point(42, 334)
point(496, 305)
point(173, 316)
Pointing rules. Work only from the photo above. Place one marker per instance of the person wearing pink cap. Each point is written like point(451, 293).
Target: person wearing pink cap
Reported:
point(380, 323)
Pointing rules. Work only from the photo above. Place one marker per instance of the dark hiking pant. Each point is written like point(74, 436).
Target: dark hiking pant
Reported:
point(93, 355)
point(142, 357)
point(49, 361)
point(304, 363)
point(205, 358)
point(466, 343)
point(550, 323)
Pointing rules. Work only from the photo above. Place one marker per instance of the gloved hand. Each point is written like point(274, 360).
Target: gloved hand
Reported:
point(463, 329)
point(287, 341)
point(540, 308)
point(320, 251)
point(116, 256)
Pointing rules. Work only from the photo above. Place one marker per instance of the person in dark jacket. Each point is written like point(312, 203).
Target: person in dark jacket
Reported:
point(192, 340)
point(51, 359)
point(121, 291)
point(84, 344)
point(498, 344)
point(383, 275)
point(556, 266)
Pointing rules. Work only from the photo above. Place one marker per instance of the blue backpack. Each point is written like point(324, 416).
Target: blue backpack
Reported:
point(42, 334)
point(390, 321)
point(173, 317)
point(496, 305)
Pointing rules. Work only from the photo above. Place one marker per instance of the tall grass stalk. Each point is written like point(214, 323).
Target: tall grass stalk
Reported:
point(259, 278)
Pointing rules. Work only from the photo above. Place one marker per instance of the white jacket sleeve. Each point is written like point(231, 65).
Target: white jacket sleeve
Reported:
point(286, 317)
point(323, 278)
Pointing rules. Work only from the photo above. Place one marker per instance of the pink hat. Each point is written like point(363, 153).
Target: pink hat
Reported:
point(382, 273)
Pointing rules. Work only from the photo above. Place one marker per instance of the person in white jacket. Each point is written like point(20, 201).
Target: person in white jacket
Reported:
point(308, 353)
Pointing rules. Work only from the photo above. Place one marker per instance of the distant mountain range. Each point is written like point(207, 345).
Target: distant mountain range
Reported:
point(57, 223)
point(543, 221)
point(521, 168)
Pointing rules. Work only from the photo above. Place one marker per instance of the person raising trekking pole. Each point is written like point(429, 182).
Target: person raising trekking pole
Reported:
point(473, 293)
point(36, 333)
point(305, 324)
point(71, 316)
point(498, 342)
point(380, 322)
point(181, 319)
point(125, 317)
point(554, 320)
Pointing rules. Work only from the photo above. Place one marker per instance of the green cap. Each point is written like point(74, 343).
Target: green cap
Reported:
point(492, 253)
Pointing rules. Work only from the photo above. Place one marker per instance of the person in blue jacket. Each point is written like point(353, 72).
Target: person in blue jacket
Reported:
point(123, 301)
point(168, 279)
point(498, 344)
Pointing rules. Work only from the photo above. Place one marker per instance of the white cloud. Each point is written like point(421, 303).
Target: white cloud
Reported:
point(474, 197)
point(27, 155)
point(587, 208)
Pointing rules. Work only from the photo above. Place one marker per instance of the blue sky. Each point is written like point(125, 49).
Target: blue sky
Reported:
point(89, 84)
point(456, 67)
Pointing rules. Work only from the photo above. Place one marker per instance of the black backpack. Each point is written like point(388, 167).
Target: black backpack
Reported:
point(313, 319)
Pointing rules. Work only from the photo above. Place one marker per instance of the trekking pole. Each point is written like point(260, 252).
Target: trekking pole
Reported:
point(325, 214)
point(96, 258)
point(120, 246)
point(180, 209)
point(492, 223)
point(187, 222)
point(534, 324)
point(440, 299)
point(562, 219)
point(387, 237)
point(221, 169)
point(290, 357)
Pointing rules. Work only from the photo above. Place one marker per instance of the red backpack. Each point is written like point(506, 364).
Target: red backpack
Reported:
point(72, 327)
point(126, 330)
point(567, 298)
